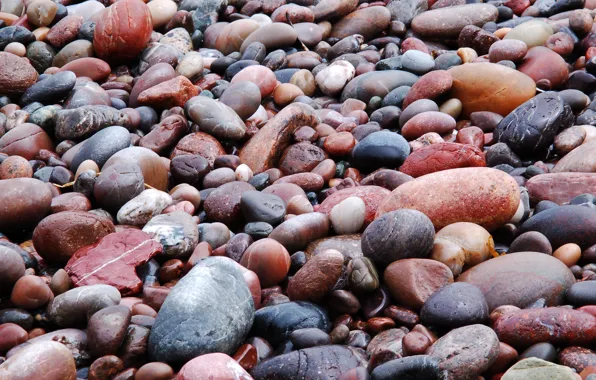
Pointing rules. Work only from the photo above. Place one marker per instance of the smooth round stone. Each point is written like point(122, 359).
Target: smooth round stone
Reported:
point(578, 160)
point(417, 62)
point(105, 367)
point(543, 351)
point(218, 177)
point(367, 22)
point(268, 259)
point(560, 188)
point(347, 217)
point(339, 144)
point(26, 201)
point(520, 279)
point(455, 305)
point(15, 167)
point(202, 289)
point(534, 369)
point(11, 335)
point(154, 370)
point(398, 235)
point(216, 234)
point(65, 31)
point(309, 33)
point(156, 74)
point(380, 149)
point(215, 118)
point(86, 9)
point(533, 33)
point(155, 173)
point(376, 83)
point(41, 12)
point(117, 185)
point(262, 207)
point(465, 183)
point(411, 367)
point(12, 268)
point(106, 330)
point(30, 292)
point(581, 293)
point(273, 36)
point(448, 22)
point(123, 31)
point(40, 55)
point(101, 146)
point(139, 210)
point(569, 139)
point(243, 97)
point(547, 68)
point(217, 365)
point(201, 144)
point(231, 36)
point(466, 352)
point(309, 337)
point(442, 156)
point(90, 67)
point(569, 254)
point(415, 108)
point(16, 74)
point(317, 277)
point(73, 51)
point(296, 233)
point(333, 78)
point(490, 87)
point(263, 77)
point(426, 122)
point(161, 11)
point(43, 360)
point(507, 50)
point(578, 220)
point(429, 86)
point(57, 237)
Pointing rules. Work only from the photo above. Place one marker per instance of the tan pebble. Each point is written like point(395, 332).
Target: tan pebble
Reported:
point(86, 165)
point(569, 254)
point(16, 48)
point(467, 55)
point(452, 107)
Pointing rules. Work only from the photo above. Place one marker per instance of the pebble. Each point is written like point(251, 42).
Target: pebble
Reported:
point(534, 369)
point(48, 360)
point(455, 305)
point(317, 277)
point(139, 210)
point(347, 217)
point(214, 364)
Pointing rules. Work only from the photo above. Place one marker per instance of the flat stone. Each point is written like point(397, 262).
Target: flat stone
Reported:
point(416, 366)
point(580, 159)
point(121, 253)
point(273, 36)
point(560, 187)
point(442, 156)
point(189, 321)
point(376, 83)
point(296, 233)
point(84, 121)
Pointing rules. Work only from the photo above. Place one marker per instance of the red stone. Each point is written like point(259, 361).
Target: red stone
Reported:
point(560, 187)
point(429, 86)
point(123, 30)
point(442, 156)
point(199, 143)
point(94, 68)
point(113, 260)
point(371, 195)
point(517, 6)
point(471, 136)
point(168, 94)
point(246, 356)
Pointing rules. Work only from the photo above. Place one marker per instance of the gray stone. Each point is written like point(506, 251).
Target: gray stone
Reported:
point(101, 146)
point(406, 10)
point(209, 310)
point(538, 369)
point(139, 210)
point(262, 207)
point(51, 90)
point(409, 368)
point(455, 305)
point(76, 305)
point(176, 232)
point(215, 118)
point(417, 62)
point(78, 123)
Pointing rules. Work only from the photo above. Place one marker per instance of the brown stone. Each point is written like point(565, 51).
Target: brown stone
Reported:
point(65, 31)
point(429, 86)
point(11, 335)
point(300, 158)
point(199, 143)
point(307, 181)
point(442, 156)
point(16, 74)
point(30, 292)
point(106, 330)
point(171, 93)
point(547, 68)
point(90, 67)
point(223, 204)
point(232, 35)
point(577, 358)
point(448, 22)
point(25, 201)
point(43, 360)
point(15, 167)
point(26, 140)
point(297, 232)
point(580, 159)
point(70, 202)
point(166, 135)
point(560, 187)
point(105, 367)
point(155, 371)
point(317, 277)
point(367, 22)
point(268, 259)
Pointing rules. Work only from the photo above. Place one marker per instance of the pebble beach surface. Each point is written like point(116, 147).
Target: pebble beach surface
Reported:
point(297, 189)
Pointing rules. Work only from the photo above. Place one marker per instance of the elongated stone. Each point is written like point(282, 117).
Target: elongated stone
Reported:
point(560, 187)
point(376, 83)
point(81, 122)
point(215, 118)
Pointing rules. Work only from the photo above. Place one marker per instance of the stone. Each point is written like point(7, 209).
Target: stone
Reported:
point(520, 279)
point(310, 363)
point(84, 121)
point(12, 268)
point(380, 149)
point(411, 367)
point(25, 140)
point(58, 236)
point(455, 305)
point(51, 89)
point(578, 222)
point(429, 86)
point(214, 288)
point(405, 11)
point(156, 74)
point(531, 127)
point(276, 323)
point(106, 330)
point(368, 22)
point(123, 31)
point(171, 93)
point(223, 204)
point(579, 159)
point(581, 293)
point(273, 36)
point(413, 281)
point(332, 79)
point(376, 83)
point(244, 98)
point(268, 259)
point(47, 360)
point(560, 187)
point(176, 232)
point(101, 146)
point(118, 184)
point(139, 210)
point(317, 277)
point(65, 31)
point(332, 9)
point(371, 195)
point(12, 335)
point(16, 74)
point(532, 33)
point(262, 207)
point(569, 139)
point(442, 156)
point(215, 118)
point(490, 87)
point(445, 191)
point(165, 136)
point(547, 68)
point(26, 201)
point(448, 22)
point(201, 144)
point(559, 326)
point(296, 233)
point(121, 253)
point(577, 358)
point(77, 305)
point(531, 241)
point(507, 50)
point(535, 369)
point(218, 365)
point(465, 352)
point(30, 292)
point(347, 217)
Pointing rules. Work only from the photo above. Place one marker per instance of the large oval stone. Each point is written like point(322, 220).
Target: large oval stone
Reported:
point(201, 144)
point(123, 30)
point(16, 74)
point(25, 201)
point(547, 68)
point(520, 279)
point(189, 322)
point(490, 87)
point(215, 118)
point(44, 360)
point(101, 146)
point(297, 232)
point(559, 326)
point(155, 173)
point(580, 159)
point(449, 21)
point(310, 363)
point(376, 83)
point(368, 22)
point(232, 35)
point(565, 224)
point(560, 188)
point(442, 156)
point(77, 305)
point(264, 149)
point(531, 128)
point(484, 196)
point(273, 36)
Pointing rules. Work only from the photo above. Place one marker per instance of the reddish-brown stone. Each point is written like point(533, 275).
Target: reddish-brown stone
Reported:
point(90, 67)
point(412, 281)
point(113, 261)
point(11, 335)
point(560, 187)
point(268, 259)
point(547, 68)
point(429, 86)
point(317, 277)
point(16, 74)
point(300, 158)
point(425, 122)
point(171, 93)
point(371, 195)
point(123, 30)
point(578, 358)
point(106, 367)
point(483, 196)
point(199, 143)
point(25, 201)
point(246, 356)
point(442, 156)
point(162, 138)
point(473, 136)
point(57, 237)
point(65, 31)
point(26, 140)
point(307, 181)
point(70, 202)
point(559, 326)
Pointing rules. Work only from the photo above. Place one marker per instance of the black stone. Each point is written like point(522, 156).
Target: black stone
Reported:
point(118, 184)
point(101, 146)
point(261, 207)
point(548, 8)
point(500, 154)
point(582, 293)
point(395, 97)
point(275, 60)
point(380, 149)
point(190, 169)
point(418, 367)
point(309, 337)
point(84, 121)
point(209, 310)
point(18, 317)
point(258, 230)
point(455, 305)
point(255, 51)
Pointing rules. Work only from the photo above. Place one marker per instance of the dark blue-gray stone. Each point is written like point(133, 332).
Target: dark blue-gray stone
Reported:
point(418, 367)
point(15, 34)
point(376, 83)
point(53, 89)
point(276, 323)
point(582, 293)
point(209, 310)
point(41, 55)
point(417, 62)
point(75, 124)
point(101, 146)
point(455, 305)
point(380, 149)
point(315, 363)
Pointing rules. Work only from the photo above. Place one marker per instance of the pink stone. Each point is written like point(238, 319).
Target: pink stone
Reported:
point(213, 366)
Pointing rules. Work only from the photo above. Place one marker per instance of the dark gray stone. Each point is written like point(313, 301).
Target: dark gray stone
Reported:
point(101, 146)
point(376, 83)
point(582, 293)
point(455, 305)
point(79, 123)
point(406, 10)
point(315, 363)
point(418, 367)
point(276, 323)
point(209, 310)
point(262, 207)
point(380, 149)
point(40, 55)
point(76, 305)
point(53, 89)
point(215, 118)
point(15, 34)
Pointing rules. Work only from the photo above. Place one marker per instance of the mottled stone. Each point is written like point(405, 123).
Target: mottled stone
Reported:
point(176, 232)
point(537, 369)
point(139, 210)
point(215, 118)
point(448, 22)
point(560, 188)
point(44, 360)
point(77, 305)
